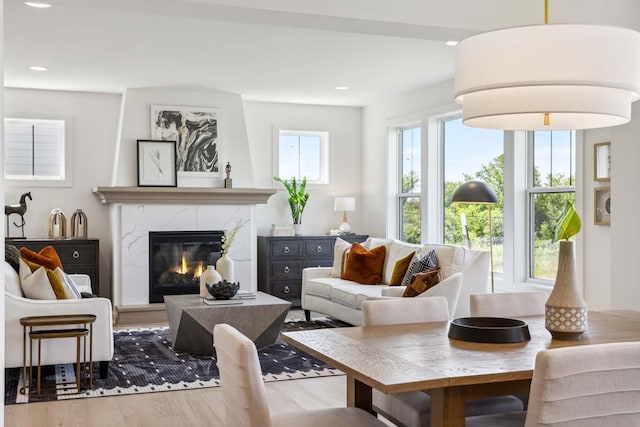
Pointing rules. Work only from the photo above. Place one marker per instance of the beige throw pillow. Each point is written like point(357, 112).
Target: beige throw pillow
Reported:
point(340, 253)
point(35, 285)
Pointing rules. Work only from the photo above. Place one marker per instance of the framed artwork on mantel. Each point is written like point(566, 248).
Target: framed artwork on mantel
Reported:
point(602, 161)
point(156, 163)
point(196, 131)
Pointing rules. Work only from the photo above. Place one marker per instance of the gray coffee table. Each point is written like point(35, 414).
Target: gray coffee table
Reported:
point(191, 321)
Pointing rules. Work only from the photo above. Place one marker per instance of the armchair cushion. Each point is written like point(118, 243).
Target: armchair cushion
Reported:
point(47, 257)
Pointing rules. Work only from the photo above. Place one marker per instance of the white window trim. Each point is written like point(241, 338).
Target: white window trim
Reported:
point(324, 152)
point(68, 151)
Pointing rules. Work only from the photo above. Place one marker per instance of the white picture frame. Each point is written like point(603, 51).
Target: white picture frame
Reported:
point(602, 162)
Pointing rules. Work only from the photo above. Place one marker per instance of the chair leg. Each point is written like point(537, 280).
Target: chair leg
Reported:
point(104, 369)
point(307, 315)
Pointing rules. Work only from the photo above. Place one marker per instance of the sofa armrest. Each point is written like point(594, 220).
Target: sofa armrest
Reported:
point(393, 291)
point(311, 273)
point(82, 282)
point(448, 288)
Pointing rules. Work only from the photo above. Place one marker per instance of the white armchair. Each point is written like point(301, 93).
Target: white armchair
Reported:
point(55, 351)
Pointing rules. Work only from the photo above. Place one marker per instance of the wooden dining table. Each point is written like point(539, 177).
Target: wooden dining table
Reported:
point(421, 356)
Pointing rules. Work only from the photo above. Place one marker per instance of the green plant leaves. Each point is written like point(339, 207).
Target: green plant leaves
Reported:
point(568, 224)
point(298, 197)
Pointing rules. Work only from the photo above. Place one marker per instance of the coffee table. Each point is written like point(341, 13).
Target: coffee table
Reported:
point(191, 321)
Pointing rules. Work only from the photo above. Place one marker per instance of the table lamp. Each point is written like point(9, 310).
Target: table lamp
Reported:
point(478, 192)
point(344, 204)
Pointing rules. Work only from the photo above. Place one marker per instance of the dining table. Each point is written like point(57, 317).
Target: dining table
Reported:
point(422, 357)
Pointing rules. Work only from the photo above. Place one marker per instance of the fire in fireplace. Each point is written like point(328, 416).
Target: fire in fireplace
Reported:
point(178, 258)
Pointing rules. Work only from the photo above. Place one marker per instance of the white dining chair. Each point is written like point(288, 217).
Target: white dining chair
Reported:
point(587, 386)
point(508, 304)
point(243, 390)
point(414, 408)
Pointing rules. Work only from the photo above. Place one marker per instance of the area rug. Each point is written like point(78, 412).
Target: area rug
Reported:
point(144, 362)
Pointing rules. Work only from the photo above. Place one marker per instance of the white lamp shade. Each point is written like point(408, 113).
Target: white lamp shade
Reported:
point(583, 76)
point(346, 204)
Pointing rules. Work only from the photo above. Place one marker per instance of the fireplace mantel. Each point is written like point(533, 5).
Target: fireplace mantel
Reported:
point(183, 195)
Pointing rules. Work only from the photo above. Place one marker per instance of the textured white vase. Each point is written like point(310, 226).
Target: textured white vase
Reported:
point(208, 277)
point(225, 267)
point(565, 311)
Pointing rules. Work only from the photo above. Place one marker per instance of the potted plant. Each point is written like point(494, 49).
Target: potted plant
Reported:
point(565, 310)
point(298, 197)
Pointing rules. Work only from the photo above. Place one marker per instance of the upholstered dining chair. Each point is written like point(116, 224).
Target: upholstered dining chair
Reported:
point(414, 408)
point(508, 304)
point(587, 386)
point(243, 390)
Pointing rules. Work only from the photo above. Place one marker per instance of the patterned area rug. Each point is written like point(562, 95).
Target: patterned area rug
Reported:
point(144, 362)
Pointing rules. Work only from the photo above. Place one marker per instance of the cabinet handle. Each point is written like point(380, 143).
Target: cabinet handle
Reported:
point(319, 249)
point(286, 249)
point(76, 254)
point(286, 290)
point(286, 268)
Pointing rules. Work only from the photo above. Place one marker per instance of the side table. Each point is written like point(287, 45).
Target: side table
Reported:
point(31, 322)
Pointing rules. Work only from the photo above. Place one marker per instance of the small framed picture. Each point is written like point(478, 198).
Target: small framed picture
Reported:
point(602, 206)
point(156, 163)
point(602, 161)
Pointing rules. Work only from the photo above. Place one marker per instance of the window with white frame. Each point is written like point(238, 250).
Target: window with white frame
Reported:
point(303, 154)
point(34, 150)
point(410, 184)
point(551, 183)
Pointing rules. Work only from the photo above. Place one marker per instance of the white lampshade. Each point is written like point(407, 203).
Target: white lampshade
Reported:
point(346, 204)
point(582, 76)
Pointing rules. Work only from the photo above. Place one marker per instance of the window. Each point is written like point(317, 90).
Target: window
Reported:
point(409, 140)
point(551, 185)
point(35, 151)
point(473, 154)
point(303, 154)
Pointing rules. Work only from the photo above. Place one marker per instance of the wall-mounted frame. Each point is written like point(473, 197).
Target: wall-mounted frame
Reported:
point(602, 206)
point(157, 163)
point(602, 161)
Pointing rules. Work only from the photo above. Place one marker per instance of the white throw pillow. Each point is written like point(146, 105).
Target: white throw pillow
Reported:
point(340, 251)
point(35, 285)
point(70, 287)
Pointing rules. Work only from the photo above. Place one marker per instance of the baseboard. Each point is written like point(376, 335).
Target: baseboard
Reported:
point(145, 314)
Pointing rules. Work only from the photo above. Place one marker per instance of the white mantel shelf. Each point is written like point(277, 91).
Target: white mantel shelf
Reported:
point(183, 195)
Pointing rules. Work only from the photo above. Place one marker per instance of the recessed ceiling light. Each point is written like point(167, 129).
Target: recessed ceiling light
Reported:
point(38, 68)
point(452, 43)
point(37, 4)
point(342, 88)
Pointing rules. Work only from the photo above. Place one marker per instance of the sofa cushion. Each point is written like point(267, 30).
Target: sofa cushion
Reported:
point(396, 251)
point(420, 264)
point(450, 258)
point(321, 286)
point(353, 294)
point(12, 280)
point(421, 282)
point(47, 257)
point(400, 269)
point(340, 250)
point(365, 266)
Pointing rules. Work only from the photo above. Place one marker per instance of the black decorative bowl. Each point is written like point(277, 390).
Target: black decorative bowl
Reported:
point(489, 330)
point(223, 290)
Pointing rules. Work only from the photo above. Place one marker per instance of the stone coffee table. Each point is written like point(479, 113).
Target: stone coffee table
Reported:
point(191, 321)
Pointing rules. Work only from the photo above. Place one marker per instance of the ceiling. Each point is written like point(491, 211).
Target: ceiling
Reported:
point(282, 51)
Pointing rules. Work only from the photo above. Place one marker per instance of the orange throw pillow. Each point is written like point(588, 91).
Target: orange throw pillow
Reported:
point(421, 282)
point(365, 266)
point(400, 269)
point(47, 257)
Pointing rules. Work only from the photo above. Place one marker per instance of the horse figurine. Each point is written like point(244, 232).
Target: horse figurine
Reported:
point(19, 209)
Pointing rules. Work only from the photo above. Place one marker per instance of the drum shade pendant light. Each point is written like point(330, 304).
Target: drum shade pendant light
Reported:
point(548, 77)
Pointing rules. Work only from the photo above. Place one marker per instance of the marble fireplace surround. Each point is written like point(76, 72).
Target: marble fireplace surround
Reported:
point(134, 211)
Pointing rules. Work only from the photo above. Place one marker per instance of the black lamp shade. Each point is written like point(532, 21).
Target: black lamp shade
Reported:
point(474, 192)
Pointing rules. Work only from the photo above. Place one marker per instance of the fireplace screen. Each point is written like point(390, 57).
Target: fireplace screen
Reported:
point(176, 260)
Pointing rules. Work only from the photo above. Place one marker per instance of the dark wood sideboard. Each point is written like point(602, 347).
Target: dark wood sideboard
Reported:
point(78, 256)
point(281, 260)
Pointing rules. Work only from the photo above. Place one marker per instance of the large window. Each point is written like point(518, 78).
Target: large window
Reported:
point(551, 185)
point(473, 154)
point(303, 154)
point(410, 184)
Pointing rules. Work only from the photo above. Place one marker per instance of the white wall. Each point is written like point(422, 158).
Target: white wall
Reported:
point(344, 125)
point(95, 121)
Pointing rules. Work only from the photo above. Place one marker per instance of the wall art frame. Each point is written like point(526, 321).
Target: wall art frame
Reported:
point(602, 206)
point(156, 163)
point(602, 162)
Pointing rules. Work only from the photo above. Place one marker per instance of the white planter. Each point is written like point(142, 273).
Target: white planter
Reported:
point(225, 268)
point(208, 277)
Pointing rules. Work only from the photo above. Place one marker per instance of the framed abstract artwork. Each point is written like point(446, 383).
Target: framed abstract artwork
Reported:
point(196, 131)
point(156, 163)
point(602, 206)
point(602, 161)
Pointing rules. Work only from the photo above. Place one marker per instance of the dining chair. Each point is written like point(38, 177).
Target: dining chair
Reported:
point(508, 304)
point(414, 408)
point(243, 390)
point(588, 386)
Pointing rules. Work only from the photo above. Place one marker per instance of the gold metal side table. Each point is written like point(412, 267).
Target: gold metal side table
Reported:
point(80, 334)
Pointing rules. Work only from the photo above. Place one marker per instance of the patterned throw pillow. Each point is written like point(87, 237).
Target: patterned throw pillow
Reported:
point(421, 282)
point(418, 265)
point(400, 269)
point(365, 266)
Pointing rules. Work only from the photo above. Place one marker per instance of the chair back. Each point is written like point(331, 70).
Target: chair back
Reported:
point(241, 381)
point(508, 304)
point(395, 311)
point(587, 386)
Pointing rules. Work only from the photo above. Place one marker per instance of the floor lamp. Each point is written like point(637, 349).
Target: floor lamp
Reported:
point(478, 192)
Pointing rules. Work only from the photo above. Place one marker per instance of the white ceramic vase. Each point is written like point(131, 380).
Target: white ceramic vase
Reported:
point(565, 311)
point(298, 229)
point(224, 265)
point(208, 277)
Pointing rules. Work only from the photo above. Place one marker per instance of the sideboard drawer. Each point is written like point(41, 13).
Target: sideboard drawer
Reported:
point(78, 254)
point(285, 248)
point(285, 290)
point(286, 270)
point(318, 248)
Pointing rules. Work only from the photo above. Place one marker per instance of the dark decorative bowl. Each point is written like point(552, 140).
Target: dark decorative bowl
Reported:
point(489, 330)
point(223, 290)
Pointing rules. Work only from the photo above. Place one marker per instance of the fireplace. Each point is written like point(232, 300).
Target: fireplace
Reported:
point(176, 260)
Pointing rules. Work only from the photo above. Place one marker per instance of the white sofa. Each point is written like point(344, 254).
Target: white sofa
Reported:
point(342, 299)
point(56, 351)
